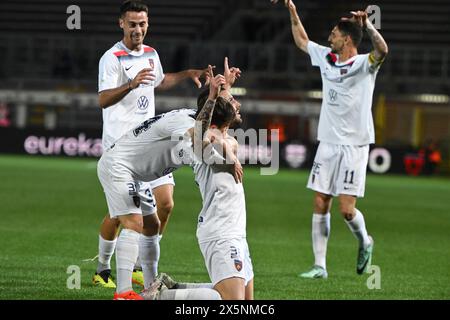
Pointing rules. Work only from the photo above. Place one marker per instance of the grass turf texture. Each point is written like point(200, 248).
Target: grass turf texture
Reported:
point(51, 209)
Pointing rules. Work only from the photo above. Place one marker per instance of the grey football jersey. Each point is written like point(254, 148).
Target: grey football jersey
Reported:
point(153, 149)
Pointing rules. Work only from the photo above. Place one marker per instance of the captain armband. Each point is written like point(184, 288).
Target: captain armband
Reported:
point(374, 63)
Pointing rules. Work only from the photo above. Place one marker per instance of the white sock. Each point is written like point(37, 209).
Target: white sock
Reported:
point(320, 233)
point(149, 256)
point(358, 227)
point(127, 249)
point(190, 294)
point(105, 252)
point(188, 285)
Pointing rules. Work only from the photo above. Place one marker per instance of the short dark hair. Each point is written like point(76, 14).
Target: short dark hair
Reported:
point(132, 5)
point(352, 29)
point(224, 112)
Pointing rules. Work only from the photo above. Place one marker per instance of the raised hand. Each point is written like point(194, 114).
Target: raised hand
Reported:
point(359, 17)
point(215, 83)
point(230, 74)
point(288, 3)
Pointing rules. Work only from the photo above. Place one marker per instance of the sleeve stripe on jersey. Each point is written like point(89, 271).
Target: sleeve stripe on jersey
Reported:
point(148, 49)
point(120, 53)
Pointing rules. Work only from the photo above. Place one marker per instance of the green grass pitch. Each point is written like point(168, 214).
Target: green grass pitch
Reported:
point(51, 209)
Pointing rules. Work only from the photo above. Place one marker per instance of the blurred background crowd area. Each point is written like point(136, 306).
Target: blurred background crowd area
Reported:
point(48, 74)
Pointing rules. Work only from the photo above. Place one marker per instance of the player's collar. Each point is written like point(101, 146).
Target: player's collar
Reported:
point(333, 58)
point(131, 52)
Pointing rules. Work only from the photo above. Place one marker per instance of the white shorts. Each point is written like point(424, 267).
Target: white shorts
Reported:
point(339, 169)
point(125, 197)
point(227, 258)
point(167, 179)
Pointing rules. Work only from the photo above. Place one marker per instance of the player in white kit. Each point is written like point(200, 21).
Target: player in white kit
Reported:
point(129, 72)
point(153, 149)
point(221, 229)
point(345, 129)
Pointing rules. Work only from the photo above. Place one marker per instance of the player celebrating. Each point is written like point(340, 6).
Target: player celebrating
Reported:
point(345, 128)
point(221, 229)
point(146, 153)
point(128, 74)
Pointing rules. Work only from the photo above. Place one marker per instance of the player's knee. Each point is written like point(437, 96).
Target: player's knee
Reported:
point(151, 225)
point(165, 207)
point(347, 208)
point(135, 226)
point(231, 294)
point(321, 204)
point(348, 212)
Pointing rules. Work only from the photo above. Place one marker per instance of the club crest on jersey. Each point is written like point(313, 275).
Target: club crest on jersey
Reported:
point(142, 103)
point(151, 63)
point(343, 71)
point(238, 264)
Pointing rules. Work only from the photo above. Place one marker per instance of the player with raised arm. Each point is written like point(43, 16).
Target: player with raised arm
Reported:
point(221, 229)
point(129, 72)
point(345, 128)
point(153, 149)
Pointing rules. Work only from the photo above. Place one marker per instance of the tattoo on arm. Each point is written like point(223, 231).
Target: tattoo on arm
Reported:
point(202, 124)
point(378, 42)
point(205, 116)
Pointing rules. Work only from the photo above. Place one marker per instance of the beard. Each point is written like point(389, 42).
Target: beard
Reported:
point(236, 122)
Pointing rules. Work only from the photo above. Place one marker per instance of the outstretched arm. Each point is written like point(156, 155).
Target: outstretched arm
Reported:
point(298, 31)
point(172, 79)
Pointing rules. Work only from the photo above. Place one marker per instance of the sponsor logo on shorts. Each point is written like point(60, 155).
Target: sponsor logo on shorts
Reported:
point(316, 167)
point(238, 264)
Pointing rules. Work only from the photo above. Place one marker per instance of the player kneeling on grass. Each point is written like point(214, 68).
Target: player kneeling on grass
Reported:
point(157, 147)
point(221, 229)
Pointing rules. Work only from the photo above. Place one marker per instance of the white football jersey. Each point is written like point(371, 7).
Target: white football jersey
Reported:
point(153, 149)
point(346, 114)
point(116, 67)
point(223, 215)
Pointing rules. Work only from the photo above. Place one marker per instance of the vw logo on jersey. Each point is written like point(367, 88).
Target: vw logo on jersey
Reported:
point(142, 103)
point(332, 94)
